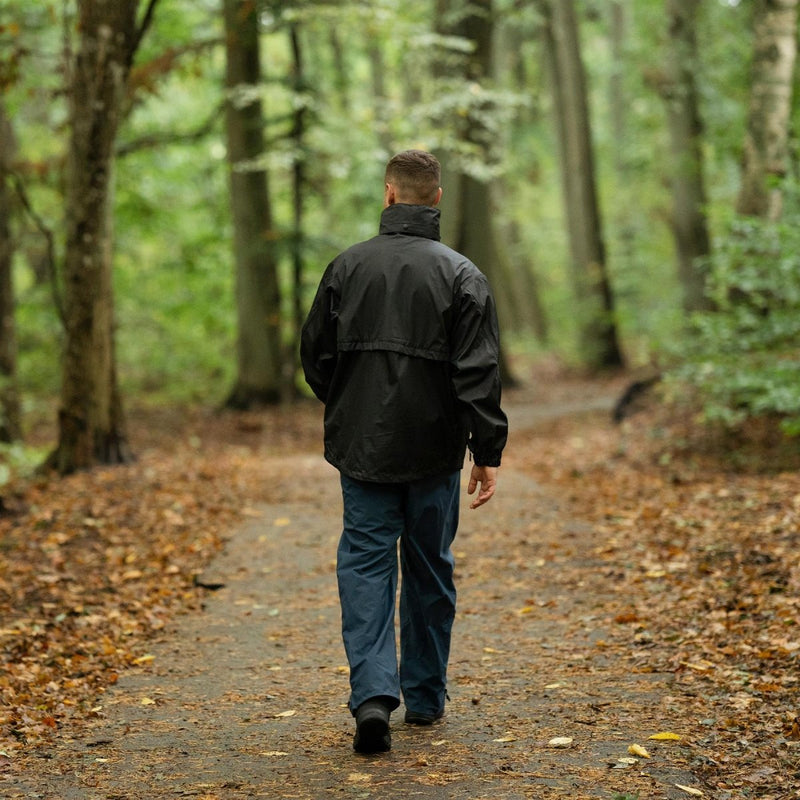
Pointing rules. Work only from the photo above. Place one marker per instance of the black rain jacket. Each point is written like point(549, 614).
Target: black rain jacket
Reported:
point(401, 344)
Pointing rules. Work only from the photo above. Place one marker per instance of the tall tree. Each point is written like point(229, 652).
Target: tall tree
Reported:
point(598, 338)
point(9, 398)
point(469, 215)
point(766, 143)
point(679, 91)
point(298, 133)
point(259, 378)
point(91, 420)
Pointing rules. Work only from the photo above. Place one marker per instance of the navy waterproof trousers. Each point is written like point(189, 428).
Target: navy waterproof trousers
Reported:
point(423, 516)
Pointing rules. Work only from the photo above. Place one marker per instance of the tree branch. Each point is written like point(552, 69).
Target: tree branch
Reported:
point(147, 20)
point(171, 137)
point(49, 238)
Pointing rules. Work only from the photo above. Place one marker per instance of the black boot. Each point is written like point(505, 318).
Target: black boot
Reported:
point(372, 727)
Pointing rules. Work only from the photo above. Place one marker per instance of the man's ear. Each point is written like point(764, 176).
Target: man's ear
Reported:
point(438, 196)
point(389, 195)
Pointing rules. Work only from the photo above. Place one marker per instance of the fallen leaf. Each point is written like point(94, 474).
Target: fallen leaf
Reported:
point(282, 522)
point(560, 741)
point(274, 753)
point(666, 736)
point(285, 714)
point(506, 739)
point(703, 666)
point(690, 790)
point(148, 701)
point(144, 659)
point(638, 750)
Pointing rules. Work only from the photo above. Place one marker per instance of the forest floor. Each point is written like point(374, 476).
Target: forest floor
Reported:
point(627, 625)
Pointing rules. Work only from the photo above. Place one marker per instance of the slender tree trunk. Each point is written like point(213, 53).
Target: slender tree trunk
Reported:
point(298, 189)
point(10, 428)
point(766, 150)
point(341, 70)
point(91, 421)
point(616, 84)
point(259, 377)
point(377, 72)
point(679, 91)
point(596, 313)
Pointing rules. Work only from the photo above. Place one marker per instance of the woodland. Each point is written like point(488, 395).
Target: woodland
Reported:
point(174, 178)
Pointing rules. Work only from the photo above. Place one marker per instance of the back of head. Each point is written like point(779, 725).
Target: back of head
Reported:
point(415, 175)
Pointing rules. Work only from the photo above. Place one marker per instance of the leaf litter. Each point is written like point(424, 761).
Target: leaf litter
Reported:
point(698, 548)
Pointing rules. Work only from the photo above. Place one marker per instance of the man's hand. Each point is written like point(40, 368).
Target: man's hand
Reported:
point(487, 478)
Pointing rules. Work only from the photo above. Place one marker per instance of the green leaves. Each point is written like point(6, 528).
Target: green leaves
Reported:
point(744, 357)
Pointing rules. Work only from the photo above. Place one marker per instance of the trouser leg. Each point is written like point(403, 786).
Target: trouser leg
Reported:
point(428, 593)
point(366, 569)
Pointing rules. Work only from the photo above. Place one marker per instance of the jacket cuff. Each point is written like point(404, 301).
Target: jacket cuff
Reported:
point(484, 459)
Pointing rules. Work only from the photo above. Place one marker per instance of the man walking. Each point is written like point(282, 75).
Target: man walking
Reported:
point(401, 344)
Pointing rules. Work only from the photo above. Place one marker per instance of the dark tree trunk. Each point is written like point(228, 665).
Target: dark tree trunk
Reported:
point(598, 338)
point(689, 220)
point(259, 378)
point(467, 213)
point(10, 428)
point(298, 189)
point(91, 421)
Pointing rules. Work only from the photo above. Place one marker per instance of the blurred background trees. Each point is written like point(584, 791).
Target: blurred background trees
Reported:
point(175, 177)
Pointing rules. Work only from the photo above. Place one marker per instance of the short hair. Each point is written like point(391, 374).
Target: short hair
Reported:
point(416, 174)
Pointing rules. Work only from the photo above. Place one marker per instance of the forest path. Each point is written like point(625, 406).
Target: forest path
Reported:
point(246, 699)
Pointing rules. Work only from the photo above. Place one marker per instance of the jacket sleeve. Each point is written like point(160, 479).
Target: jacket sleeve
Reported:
point(318, 349)
point(475, 371)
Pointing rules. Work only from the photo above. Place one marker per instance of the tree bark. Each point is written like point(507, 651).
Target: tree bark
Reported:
point(91, 420)
point(679, 91)
point(766, 150)
point(10, 423)
point(298, 187)
point(598, 340)
point(259, 378)
point(467, 210)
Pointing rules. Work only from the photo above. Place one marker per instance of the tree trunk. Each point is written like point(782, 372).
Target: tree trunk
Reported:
point(10, 429)
point(616, 90)
point(91, 422)
point(259, 377)
point(467, 213)
point(298, 188)
point(598, 340)
point(679, 90)
point(766, 149)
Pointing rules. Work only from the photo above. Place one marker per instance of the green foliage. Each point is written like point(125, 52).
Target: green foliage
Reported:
point(373, 84)
point(744, 357)
point(18, 461)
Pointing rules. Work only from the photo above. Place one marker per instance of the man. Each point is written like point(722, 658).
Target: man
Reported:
point(401, 344)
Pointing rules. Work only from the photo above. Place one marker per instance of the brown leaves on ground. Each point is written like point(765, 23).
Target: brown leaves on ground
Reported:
point(93, 566)
point(701, 544)
point(700, 535)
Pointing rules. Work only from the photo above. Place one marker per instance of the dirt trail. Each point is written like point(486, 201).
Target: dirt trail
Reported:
point(247, 698)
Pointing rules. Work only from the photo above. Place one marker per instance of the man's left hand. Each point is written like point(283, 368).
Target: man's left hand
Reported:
point(487, 478)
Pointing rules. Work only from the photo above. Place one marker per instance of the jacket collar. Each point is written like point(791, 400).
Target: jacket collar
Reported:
point(411, 220)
